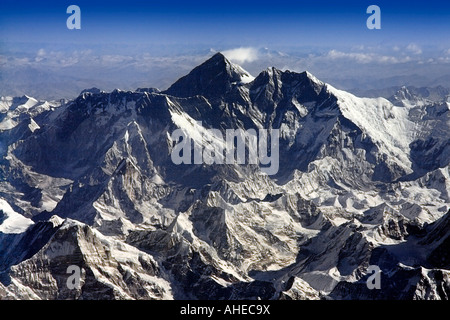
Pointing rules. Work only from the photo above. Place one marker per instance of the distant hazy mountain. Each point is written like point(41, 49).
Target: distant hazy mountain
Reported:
point(433, 94)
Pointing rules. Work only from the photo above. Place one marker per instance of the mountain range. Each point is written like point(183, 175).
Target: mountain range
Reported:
point(361, 182)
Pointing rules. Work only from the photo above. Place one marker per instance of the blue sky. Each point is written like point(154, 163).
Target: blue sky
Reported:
point(279, 22)
point(129, 43)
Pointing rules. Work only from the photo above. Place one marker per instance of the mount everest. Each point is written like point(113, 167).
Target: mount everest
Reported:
point(90, 182)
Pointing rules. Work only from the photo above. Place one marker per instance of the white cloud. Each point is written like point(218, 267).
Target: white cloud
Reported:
point(414, 48)
point(358, 57)
point(443, 59)
point(115, 59)
point(41, 52)
point(366, 58)
point(40, 55)
point(241, 55)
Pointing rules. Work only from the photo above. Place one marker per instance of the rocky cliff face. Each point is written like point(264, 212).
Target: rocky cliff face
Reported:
point(361, 182)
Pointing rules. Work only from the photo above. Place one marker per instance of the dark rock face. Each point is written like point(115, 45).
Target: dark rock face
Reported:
point(212, 79)
point(355, 188)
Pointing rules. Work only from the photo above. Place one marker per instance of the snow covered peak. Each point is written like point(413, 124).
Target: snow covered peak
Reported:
point(232, 68)
point(212, 78)
point(313, 78)
point(412, 97)
point(16, 109)
point(56, 220)
point(11, 221)
point(403, 97)
point(91, 90)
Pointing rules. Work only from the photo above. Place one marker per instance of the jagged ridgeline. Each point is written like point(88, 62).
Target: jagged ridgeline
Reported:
point(91, 185)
